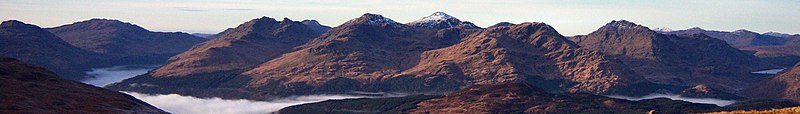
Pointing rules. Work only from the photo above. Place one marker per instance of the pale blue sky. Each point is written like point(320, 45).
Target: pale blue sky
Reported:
point(570, 17)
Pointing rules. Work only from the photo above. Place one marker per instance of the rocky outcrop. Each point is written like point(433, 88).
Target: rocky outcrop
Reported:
point(30, 89)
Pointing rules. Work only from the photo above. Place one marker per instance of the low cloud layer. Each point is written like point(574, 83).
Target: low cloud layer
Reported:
point(105, 76)
point(178, 104)
point(770, 71)
point(717, 102)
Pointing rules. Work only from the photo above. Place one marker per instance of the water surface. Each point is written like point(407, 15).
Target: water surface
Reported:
point(109, 75)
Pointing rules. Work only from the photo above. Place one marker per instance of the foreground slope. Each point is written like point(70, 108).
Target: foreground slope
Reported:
point(125, 41)
point(790, 110)
point(37, 46)
point(30, 89)
point(785, 85)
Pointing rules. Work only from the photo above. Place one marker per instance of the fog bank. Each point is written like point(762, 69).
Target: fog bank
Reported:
point(718, 102)
point(179, 104)
point(108, 75)
point(770, 71)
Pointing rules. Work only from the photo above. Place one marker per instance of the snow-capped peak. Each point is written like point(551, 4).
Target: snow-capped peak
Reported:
point(663, 29)
point(437, 20)
point(437, 16)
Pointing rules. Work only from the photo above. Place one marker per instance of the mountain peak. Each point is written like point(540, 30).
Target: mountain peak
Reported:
point(22, 27)
point(744, 31)
point(696, 28)
point(663, 29)
point(623, 24)
point(437, 20)
point(314, 25)
point(100, 23)
point(12, 22)
point(286, 19)
point(311, 22)
point(502, 24)
point(16, 23)
point(437, 16)
point(372, 19)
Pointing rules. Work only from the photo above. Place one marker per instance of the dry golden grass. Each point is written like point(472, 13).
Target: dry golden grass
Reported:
point(791, 110)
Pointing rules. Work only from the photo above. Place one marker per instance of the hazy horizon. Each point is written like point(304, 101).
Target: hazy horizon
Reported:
point(571, 17)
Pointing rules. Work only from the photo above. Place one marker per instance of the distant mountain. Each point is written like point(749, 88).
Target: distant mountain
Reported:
point(207, 36)
point(37, 46)
point(511, 98)
point(30, 89)
point(126, 42)
point(783, 55)
point(738, 38)
point(776, 48)
point(777, 34)
point(783, 86)
point(677, 60)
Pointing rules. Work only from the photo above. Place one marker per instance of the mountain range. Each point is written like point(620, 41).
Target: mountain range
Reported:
point(265, 59)
point(524, 67)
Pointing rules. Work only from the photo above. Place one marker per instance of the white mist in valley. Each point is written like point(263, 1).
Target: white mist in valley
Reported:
point(718, 102)
point(770, 71)
point(105, 76)
point(179, 104)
